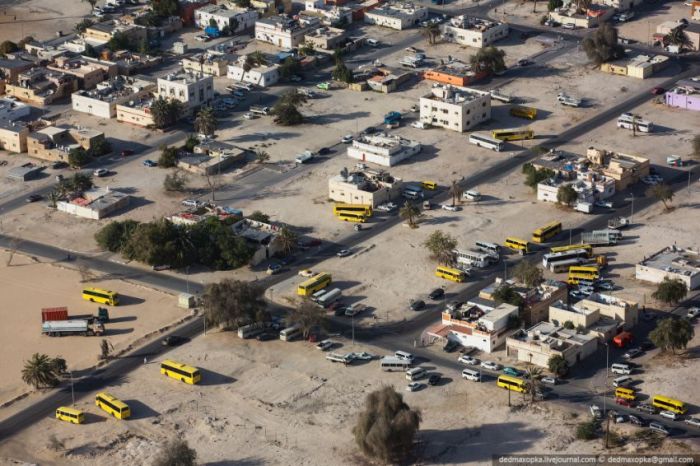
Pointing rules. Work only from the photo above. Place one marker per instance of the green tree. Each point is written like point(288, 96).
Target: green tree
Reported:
point(287, 240)
point(259, 217)
point(528, 273)
point(677, 36)
point(672, 334)
point(262, 156)
point(53, 198)
point(83, 25)
point(431, 32)
point(409, 212)
point(533, 176)
point(506, 294)
point(231, 303)
point(307, 49)
point(441, 247)
point(165, 112)
point(601, 45)
point(670, 291)
point(341, 72)
point(386, 428)
point(40, 371)
point(100, 147)
point(165, 8)
point(90, 51)
point(191, 142)
point(253, 59)
point(566, 194)
point(105, 349)
point(308, 316)
point(569, 325)
point(114, 235)
point(242, 3)
point(79, 182)
point(586, 430)
point(489, 60)
point(78, 157)
point(554, 4)
point(175, 182)
point(213, 23)
point(58, 365)
point(8, 47)
point(206, 123)
point(288, 68)
point(456, 192)
point(120, 41)
point(168, 157)
point(661, 192)
point(557, 365)
point(176, 452)
point(532, 376)
point(287, 115)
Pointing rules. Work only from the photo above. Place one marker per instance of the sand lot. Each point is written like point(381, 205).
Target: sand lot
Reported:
point(282, 403)
point(142, 311)
point(39, 18)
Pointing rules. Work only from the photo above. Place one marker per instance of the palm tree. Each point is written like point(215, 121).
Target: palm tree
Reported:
point(205, 123)
point(287, 240)
point(431, 32)
point(160, 112)
point(533, 374)
point(53, 198)
point(456, 192)
point(39, 371)
point(677, 37)
point(262, 156)
point(409, 212)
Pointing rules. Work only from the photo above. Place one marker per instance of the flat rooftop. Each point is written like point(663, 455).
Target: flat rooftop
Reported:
point(397, 9)
point(473, 24)
point(675, 260)
point(453, 95)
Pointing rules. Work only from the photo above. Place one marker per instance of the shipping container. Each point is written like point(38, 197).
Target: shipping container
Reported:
point(54, 313)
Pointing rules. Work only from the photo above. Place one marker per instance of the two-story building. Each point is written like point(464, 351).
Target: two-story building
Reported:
point(213, 64)
point(454, 109)
point(544, 340)
point(41, 87)
point(325, 38)
point(473, 32)
point(234, 20)
point(53, 143)
point(673, 263)
point(103, 100)
point(192, 90)
point(260, 75)
point(283, 31)
point(383, 149)
point(372, 187)
point(399, 16)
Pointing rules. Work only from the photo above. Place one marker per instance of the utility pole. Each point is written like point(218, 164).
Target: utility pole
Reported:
point(204, 320)
point(605, 393)
point(72, 390)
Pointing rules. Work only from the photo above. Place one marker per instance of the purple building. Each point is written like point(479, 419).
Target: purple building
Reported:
point(686, 94)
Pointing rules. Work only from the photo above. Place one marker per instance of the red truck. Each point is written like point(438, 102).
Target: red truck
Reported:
point(54, 313)
point(622, 339)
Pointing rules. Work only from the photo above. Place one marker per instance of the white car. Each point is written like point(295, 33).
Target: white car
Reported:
point(633, 352)
point(655, 426)
point(465, 359)
point(325, 345)
point(693, 421)
point(490, 365)
point(414, 386)
point(306, 273)
point(451, 208)
point(364, 356)
point(669, 415)
point(100, 172)
point(603, 204)
point(344, 253)
point(549, 380)
point(596, 411)
point(347, 139)
point(191, 203)
point(693, 312)
point(249, 116)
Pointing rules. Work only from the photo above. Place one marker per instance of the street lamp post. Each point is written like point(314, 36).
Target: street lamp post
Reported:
point(72, 390)
point(605, 413)
point(204, 320)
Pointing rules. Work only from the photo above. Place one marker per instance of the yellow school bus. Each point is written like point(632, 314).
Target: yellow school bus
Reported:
point(625, 393)
point(355, 217)
point(515, 134)
point(364, 209)
point(72, 415)
point(112, 405)
point(669, 404)
point(517, 244)
point(524, 112)
point(587, 247)
point(448, 273)
point(181, 372)
point(511, 383)
point(314, 284)
point(430, 185)
point(582, 272)
point(98, 295)
point(545, 233)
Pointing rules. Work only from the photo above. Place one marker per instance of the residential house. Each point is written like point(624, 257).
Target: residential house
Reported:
point(672, 263)
point(539, 343)
point(53, 143)
point(454, 72)
point(10, 69)
point(213, 64)
point(284, 32)
point(95, 203)
point(41, 87)
point(625, 169)
point(260, 75)
point(685, 94)
point(211, 157)
point(454, 109)
point(383, 149)
point(325, 38)
point(192, 90)
point(638, 66)
point(397, 16)
point(234, 20)
point(536, 299)
point(474, 32)
point(103, 100)
point(372, 187)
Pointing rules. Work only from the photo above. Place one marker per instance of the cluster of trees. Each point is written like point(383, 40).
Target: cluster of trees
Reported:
point(83, 25)
point(601, 45)
point(205, 123)
point(533, 176)
point(166, 112)
point(554, 4)
point(232, 303)
point(79, 157)
point(341, 72)
point(43, 371)
point(566, 195)
point(506, 294)
point(557, 365)
point(77, 183)
point(489, 59)
point(288, 68)
point(211, 243)
point(528, 273)
point(431, 32)
point(253, 59)
point(441, 246)
point(286, 110)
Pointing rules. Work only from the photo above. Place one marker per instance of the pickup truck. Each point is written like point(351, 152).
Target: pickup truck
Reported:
point(568, 100)
point(259, 110)
point(304, 157)
point(618, 223)
point(344, 358)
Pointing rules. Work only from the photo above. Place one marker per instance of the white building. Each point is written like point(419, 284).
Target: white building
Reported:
point(95, 203)
point(590, 187)
point(673, 263)
point(262, 75)
point(454, 108)
point(474, 32)
point(621, 5)
point(544, 340)
point(364, 187)
point(103, 100)
point(397, 15)
point(285, 32)
point(192, 90)
point(11, 109)
point(236, 20)
point(383, 149)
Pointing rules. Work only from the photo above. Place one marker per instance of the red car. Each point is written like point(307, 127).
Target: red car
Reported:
point(127, 152)
point(624, 402)
point(658, 91)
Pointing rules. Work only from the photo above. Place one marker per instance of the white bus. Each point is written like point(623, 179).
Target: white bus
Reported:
point(393, 364)
point(290, 333)
point(556, 257)
point(563, 266)
point(490, 248)
point(473, 258)
point(628, 120)
point(485, 140)
point(252, 330)
point(330, 297)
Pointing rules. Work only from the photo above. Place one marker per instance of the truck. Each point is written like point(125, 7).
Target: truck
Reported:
point(568, 100)
point(304, 157)
point(585, 207)
point(354, 309)
point(85, 327)
point(411, 61)
point(392, 118)
point(259, 110)
point(618, 223)
point(498, 95)
point(601, 237)
point(623, 339)
point(54, 313)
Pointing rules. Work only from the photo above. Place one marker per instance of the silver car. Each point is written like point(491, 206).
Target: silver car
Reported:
point(490, 365)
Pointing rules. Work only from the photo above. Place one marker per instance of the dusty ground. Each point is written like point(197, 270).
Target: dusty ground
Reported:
point(40, 19)
point(143, 310)
point(282, 403)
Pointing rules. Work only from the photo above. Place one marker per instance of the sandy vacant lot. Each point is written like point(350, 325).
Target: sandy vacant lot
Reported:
point(282, 403)
point(30, 285)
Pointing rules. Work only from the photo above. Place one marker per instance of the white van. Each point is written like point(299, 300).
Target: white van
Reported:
point(415, 374)
point(471, 374)
point(404, 355)
point(472, 195)
point(622, 381)
point(622, 369)
point(372, 42)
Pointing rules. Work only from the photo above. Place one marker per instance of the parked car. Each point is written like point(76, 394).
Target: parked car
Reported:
point(693, 421)
point(249, 116)
point(191, 203)
point(568, 26)
point(150, 163)
point(266, 336)
point(525, 62)
point(100, 172)
point(437, 293)
point(603, 204)
point(434, 379)
point(632, 352)
point(512, 371)
point(347, 139)
point(364, 356)
point(411, 49)
point(490, 365)
point(273, 269)
point(647, 345)
point(669, 415)
point(595, 410)
point(451, 208)
point(646, 408)
point(34, 198)
point(202, 38)
point(549, 380)
point(340, 310)
point(657, 427)
point(344, 253)
point(324, 151)
point(324, 345)
point(370, 130)
point(637, 421)
point(465, 359)
point(693, 313)
point(174, 340)
point(59, 165)
point(450, 346)
point(417, 305)
point(306, 273)
point(414, 386)
point(605, 285)
point(624, 402)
